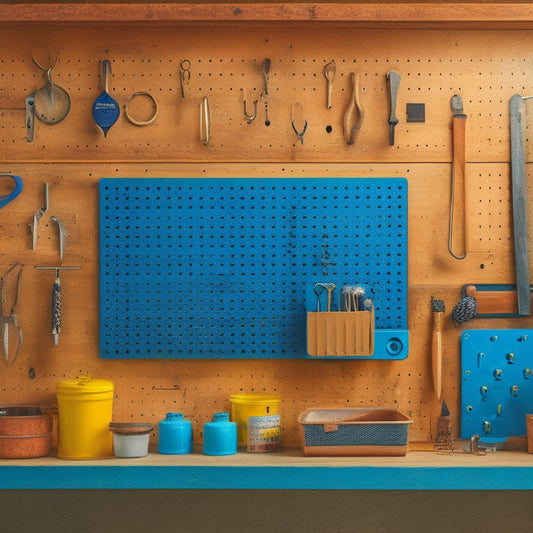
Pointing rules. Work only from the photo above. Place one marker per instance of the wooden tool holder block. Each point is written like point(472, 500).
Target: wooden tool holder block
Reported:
point(340, 333)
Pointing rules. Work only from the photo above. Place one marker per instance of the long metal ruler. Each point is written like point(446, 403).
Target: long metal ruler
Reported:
point(520, 206)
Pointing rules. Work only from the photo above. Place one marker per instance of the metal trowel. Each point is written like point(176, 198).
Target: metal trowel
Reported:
point(105, 109)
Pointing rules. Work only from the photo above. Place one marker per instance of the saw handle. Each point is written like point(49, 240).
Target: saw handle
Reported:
point(493, 302)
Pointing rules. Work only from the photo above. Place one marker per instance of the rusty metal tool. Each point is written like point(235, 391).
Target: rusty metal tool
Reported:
point(266, 77)
point(37, 216)
point(10, 318)
point(394, 79)
point(353, 117)
point(30, 118)
point(62, 235)
point(457, 200)
point(51, 102)
point(520, 205)
point(56, 300)
point(329, 72)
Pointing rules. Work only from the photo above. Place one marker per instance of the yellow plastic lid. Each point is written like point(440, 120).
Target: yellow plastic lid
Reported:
point(255, 397)
point(83, 385)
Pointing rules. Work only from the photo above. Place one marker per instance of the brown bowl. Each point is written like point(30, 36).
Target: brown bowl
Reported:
point(25, 432)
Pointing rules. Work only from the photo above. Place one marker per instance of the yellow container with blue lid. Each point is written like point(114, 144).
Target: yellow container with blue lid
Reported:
point(85, 408)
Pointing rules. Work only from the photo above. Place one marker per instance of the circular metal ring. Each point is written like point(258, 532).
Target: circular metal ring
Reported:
point(141, 122)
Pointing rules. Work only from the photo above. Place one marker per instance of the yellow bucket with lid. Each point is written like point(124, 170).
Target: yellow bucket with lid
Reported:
point(85, 408)
point(244, 405)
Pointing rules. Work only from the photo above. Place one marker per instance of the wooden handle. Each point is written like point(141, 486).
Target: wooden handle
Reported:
point(494, 302)
point(436, 354)
point(458, 240)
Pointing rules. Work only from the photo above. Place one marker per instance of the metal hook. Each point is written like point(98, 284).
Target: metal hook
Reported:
point(52, 64)
point(250, 117)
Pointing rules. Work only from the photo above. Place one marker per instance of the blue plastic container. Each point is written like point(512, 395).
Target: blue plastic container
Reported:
point(220, 436)
point(175, 435)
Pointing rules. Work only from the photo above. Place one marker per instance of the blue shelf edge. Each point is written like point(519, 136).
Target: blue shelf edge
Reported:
point(267, 477)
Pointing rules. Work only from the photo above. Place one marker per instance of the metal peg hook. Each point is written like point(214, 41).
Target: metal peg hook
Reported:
point(250, 117)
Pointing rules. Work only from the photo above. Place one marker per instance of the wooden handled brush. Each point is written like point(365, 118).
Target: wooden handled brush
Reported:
point(438, 308)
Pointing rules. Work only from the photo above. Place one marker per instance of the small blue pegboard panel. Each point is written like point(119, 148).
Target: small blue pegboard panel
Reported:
point(497, 383)
point(220, 267)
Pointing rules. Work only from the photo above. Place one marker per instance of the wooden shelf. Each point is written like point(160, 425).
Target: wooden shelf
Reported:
point(501, 470)
point(499, 15)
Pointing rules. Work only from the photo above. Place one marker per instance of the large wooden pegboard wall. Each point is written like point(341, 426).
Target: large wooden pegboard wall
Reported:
point(485, 66)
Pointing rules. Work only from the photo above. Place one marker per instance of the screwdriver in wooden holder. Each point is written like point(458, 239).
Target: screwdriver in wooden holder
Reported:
point(56, 300)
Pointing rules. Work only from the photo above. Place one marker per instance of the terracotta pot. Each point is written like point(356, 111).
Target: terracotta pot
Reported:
point(25, 432)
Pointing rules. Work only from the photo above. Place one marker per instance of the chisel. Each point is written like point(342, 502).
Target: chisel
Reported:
point(394, 79)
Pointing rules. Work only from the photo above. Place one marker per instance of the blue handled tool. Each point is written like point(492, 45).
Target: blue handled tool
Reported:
point(105, 108)
point(4, 200)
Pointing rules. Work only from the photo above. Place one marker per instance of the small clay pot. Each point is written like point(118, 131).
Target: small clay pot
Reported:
point(25, 432)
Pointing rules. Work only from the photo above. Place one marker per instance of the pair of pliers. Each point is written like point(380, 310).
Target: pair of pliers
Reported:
point(8, 319)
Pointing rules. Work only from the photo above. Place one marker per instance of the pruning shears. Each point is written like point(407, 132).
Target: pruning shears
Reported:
point(9, 319)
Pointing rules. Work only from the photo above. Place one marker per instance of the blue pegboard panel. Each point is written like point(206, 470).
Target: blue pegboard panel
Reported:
point(222, 267)
point(497, 383)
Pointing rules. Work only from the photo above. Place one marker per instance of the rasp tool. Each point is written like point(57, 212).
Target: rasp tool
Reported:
point(394, 79)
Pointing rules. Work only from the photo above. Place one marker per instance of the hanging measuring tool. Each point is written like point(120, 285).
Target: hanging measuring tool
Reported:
point(457, 240)
point(9, 319)
point(57, 314)
point(520, 205)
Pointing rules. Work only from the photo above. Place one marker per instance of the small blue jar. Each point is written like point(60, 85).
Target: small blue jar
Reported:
point(175, 435)
point(220, 436)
